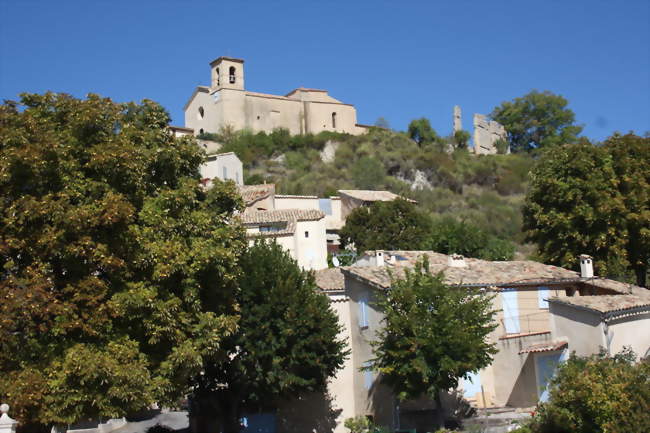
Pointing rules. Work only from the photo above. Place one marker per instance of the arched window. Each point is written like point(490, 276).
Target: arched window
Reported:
point(334, 120)
point(201, 113)
point(201, 131)
point(218, 78)
point(232, 74)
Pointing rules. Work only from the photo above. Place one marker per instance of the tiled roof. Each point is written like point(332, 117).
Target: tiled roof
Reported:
point(369, 195)
point(607, 303)
point(268, 95)
point(295, 196)
point(281, 215)
point(545, 347)
point(476, 272)
point(304, 89)
point(330, 279)
point(253, 193)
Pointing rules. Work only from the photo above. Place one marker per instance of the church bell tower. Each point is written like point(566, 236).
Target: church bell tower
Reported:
point(227, 73)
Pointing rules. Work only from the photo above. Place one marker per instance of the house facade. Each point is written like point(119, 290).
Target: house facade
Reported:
point(224, 166)
point(226, 103)
point(529, 338)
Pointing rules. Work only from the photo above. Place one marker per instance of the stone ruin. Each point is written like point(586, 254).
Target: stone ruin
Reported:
point(486, 132)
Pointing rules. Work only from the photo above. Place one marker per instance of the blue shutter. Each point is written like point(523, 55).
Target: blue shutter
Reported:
point(225, 173)
point(363, 311)
point(368, 376)
point(510, 311)
point(542, 295)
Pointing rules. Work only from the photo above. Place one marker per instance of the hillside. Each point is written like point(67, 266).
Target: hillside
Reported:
point(487, 191)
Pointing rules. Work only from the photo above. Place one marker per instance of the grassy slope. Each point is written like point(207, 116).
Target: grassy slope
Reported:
point(486, 190)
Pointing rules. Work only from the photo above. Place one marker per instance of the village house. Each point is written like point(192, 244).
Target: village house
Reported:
point(544, 313)
point(226, 103)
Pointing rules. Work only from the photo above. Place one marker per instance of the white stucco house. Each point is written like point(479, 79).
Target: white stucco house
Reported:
point(544, 313)
point(224, 166)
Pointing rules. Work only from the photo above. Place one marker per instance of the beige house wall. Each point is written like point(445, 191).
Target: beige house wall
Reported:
point(311, 249)
point(296, 202)
point(581, 328)
point(631, 331)
point(335, 220)
point(214, 167)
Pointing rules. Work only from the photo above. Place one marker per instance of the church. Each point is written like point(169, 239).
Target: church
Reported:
point(226, 102)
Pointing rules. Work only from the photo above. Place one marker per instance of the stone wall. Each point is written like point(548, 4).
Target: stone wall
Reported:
point(486, 134)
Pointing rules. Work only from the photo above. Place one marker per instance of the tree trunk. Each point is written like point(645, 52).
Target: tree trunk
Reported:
point(440, 418)
point(229, 413)
point(641, 275)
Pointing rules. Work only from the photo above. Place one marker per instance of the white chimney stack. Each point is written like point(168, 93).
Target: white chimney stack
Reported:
point(586, 266)
point(379, 257)
point(456, 261)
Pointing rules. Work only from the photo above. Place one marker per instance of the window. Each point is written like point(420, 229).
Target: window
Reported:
point(306, 234)
point(368, 376)
point(201, 113)
point(325, 205)
point(225, 172)
point(201, 131)
point(542, 296)
point(266, 229)
point(334, 120)
point(510, 311)
point(232, 74)
point(363, 311)
point(218, 78)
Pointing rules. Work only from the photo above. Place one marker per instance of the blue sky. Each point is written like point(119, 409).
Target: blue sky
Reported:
point(400, 60)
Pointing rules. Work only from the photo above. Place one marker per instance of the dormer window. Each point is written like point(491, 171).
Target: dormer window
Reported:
point(232, 74)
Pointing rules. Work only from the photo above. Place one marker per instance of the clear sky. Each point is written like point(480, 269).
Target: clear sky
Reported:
point(397, 59)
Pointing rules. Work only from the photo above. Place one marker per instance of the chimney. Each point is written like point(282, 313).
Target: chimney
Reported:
point(379, 258)
point(456, 261)
point(586, 266)
point(392, 259)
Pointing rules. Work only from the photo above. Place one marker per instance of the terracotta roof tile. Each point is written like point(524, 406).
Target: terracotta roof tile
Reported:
point(370, 195)
point(607, 303)
point(545, 347)
point(253, 193)
point(281, 215)
point(330, 279)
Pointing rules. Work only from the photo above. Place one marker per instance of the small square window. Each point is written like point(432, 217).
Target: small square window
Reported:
point(306, 234)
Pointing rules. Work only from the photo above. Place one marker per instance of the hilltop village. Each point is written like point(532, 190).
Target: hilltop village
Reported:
point(545, 312)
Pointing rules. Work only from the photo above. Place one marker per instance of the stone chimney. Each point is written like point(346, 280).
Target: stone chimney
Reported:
point(456, 261)
point(586, 266)
point(379, 258)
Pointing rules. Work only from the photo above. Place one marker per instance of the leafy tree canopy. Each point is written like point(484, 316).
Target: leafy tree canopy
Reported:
point(537, 120)
point(461, 138)
point(286, 343)
point(421, 132)
point(385, 225)
point(117, 269)
point(433, 334)
point(597, 394)
point(594, 200)
point(449, 236)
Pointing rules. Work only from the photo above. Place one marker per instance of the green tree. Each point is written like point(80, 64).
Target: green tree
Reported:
point(631, 158)
point(597, 394)
point(593, 199)
point(449, 236)
point(385, 225)
point(536, 120)
point(286, 342)
point(461, 138)
point(368, 173)
point(421, 132)
point(117, 269)
point(382, 122)
point(433, 334)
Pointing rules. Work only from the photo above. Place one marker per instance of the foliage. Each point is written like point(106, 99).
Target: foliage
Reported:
point(382, 122)
point(158, 428)
point(433, 334)
point(368, 173)
point(421, 132)
point(631, 160)
point(537, 120)
point(362, 424)
point(286, 342)
point(117, 268)
point(461, 138)
point(385, 225)
point(597, 394)
point(449, 236)
point(592, 199)
point(501, 146)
